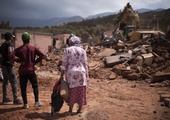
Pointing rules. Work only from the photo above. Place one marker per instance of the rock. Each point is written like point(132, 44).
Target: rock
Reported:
point(112, 76)
point(154, 65)
point(166, 101)
point(125, 73)
point(163, 96)
point(133, 76)
point(43, 62)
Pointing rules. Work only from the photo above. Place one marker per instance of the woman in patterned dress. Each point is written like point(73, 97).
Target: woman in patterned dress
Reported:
point(75, 69)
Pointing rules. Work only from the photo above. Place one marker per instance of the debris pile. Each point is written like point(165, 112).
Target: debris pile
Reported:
point(146, 59)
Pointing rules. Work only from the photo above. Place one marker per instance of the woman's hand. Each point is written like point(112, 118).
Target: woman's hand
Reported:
point(62, 75)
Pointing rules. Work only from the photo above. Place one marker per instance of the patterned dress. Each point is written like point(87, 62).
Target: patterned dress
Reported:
point(75, 65)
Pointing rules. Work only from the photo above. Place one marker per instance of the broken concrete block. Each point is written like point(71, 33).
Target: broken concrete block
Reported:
point(160, 77)
point(166, 101)
point(145, 59)
point(112, 60)
point(107, 52)
point(163, 96)
point(117, 59)
point(120, 46)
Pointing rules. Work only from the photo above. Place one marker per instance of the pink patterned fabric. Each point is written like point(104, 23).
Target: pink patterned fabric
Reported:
point(75, 65)
point(77, 95)
point(74, 40)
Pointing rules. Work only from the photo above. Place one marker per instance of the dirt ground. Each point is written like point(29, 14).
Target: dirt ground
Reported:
point(117, 99)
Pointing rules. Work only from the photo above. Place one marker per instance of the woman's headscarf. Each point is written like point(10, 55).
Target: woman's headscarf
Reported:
point(74, 41)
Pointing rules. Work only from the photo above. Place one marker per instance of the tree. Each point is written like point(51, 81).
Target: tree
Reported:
point(5, 25)
point(2, 25)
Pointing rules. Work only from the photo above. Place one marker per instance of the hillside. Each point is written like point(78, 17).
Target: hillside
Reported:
point(56, 21)
point(95, 26)
point(18, 22)
point(151, 18)
point(83, 27)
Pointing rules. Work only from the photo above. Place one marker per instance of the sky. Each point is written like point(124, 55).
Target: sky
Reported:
point(47, 9)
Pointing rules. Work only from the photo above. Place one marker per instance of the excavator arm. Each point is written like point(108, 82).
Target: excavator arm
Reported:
point(128, 11)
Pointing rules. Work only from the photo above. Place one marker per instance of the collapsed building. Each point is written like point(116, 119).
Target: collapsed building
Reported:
point(46, 42)
point(146, 59)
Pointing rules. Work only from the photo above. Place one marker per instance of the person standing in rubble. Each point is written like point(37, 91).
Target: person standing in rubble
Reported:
point(28, 56)
point(90, 41)
point(8, 70)
point(75, 68)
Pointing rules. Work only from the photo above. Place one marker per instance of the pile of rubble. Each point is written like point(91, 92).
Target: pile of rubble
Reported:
point(141, 60)
point(147, 60)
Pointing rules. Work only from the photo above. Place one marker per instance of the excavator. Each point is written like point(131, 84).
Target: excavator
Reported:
point(128, 11)
point(133, 32)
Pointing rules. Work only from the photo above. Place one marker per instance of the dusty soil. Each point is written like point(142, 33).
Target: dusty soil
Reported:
point(117, 99)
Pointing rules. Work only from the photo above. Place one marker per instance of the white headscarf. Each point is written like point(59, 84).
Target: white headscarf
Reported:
point(74, 41)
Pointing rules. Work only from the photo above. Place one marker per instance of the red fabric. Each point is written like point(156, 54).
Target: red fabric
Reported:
point(28, 56)
point(77, 95)
point(56, 87)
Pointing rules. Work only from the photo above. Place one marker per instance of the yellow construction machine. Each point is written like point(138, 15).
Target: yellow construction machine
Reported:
point(128, 11)
point(133, 32)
